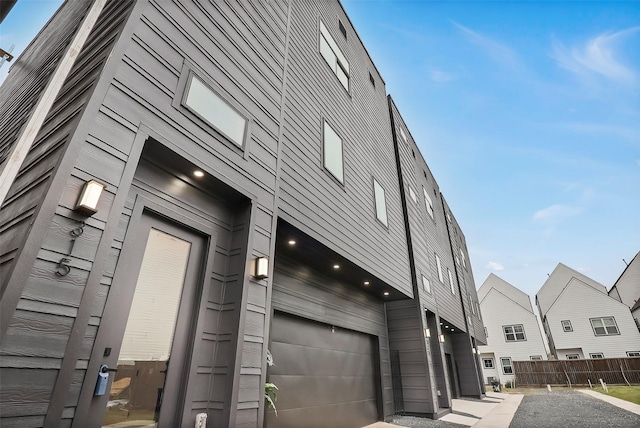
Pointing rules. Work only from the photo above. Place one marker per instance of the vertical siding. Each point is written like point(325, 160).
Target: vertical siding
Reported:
point(341, 217)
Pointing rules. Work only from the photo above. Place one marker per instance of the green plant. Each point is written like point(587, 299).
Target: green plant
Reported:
point(508, 384)
point(270, 389)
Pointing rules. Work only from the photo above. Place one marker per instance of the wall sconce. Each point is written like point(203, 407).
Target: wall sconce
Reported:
point(427, 333)
point(473, 350)
point(88, 201)
point(441, 338)
point(261, 268)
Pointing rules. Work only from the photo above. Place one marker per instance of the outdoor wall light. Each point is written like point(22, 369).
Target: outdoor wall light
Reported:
point(473, 350)
point(88, 201)
point(441, 338)
point(261, 267)
point(427, 333)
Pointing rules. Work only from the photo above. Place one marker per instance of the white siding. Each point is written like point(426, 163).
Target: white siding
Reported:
point(627, 287)
point(592, 304)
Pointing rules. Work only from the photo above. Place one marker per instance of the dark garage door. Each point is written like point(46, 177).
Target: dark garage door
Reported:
point(325, 375)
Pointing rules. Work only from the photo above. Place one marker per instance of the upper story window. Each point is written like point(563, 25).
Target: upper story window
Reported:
point(412, 195)
point(428, 202)
point(426, 285)
point(514, 333)
point(334, 56)
point(403, 135)
point(464, 263)
point(332, 153)
point(597, 355)
point(381, 203)
point(566, 326)
point(605, 326)
point(208, 105)
point(439, 266)
point(451, 284)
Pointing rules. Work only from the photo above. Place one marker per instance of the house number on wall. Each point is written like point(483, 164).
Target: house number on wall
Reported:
point(63, 268)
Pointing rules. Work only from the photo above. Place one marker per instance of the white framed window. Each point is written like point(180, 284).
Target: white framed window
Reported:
point(332, 152)
point(507, 368)
point(488, 363)
point(413, 195)
point(426, 285)
point(566, 326)
point(633, 353)
point(428, 202)
point(381, 202)
point(596, 355)
point(451, 284)
point(210, 107)
point(536, 358)
point(439, 266)
point(333, 55)
point(604, 326)
point(514, 333)
point(573, 357)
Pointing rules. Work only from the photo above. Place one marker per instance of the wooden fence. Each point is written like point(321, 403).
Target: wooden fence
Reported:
point(577, 372)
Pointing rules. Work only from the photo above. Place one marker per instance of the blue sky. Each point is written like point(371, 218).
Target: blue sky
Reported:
point(528, 114)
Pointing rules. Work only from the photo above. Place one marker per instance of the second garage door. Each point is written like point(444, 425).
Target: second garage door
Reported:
point(325, 375)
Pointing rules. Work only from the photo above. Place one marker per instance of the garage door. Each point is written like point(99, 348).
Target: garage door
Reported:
point(325, 375)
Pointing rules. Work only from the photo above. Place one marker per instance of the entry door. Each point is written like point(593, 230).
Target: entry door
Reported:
point(155, 332)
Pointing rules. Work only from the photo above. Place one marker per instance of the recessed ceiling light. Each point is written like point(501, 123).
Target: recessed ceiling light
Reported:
point(386, 293)
point(291, 242)
point(198, 173)
point(446, 326)
point(336, 266)
point(440, 323)
point(367, 283)
point(452, 330)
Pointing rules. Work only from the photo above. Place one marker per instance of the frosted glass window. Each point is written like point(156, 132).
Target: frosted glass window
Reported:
point(208, 105)
point(381, 203)
point(439, 265)
point(333, 55)
point(333, 153)
point(428, 202)
point(451, 284)
point(154, 310)
point(413, 195)
point(403, 135)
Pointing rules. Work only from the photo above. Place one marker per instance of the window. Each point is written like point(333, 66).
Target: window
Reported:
point(451, 284)
point(372, 80)
point(536, 358)
point(597, 355)
point(573, 357)
point(488, 363)
point(566, 326)
point(381, 203)
point(334, 57)
point(514, 333)
point(413, 195)
point(204, 102)
point(605, 326)
point(426, 285)
point(428, 203)
point(342, 29)
point(506, 365)
point(439, 269)
point(633, 353)
point(333, 153)
point(464, 263)
point(478, 310)
point(486, 332)
point(403, 135)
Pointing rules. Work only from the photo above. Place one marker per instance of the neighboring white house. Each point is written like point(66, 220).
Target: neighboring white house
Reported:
point(627, 288)
point(582, 321)
point(513, 333)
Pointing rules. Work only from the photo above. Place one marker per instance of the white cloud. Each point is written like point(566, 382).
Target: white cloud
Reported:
point(555, 213)
point(500, 52)
point(494, 266)
point(597, 56)
point(440, 76)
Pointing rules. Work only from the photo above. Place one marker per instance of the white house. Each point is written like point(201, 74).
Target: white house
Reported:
point(513, 333)
point(582, 321)
point(627, 288)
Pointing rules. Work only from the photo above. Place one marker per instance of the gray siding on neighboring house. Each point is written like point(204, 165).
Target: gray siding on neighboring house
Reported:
point(340, 216)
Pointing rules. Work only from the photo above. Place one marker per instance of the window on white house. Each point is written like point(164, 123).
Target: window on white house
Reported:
point(413, 195)
point(605, 326)
point(334, 56)
point(566, 326)
point(514, 333)
point(597, 355)
point(333, 153)
point(381, 203)
point(439, 265)
point(506, 365)
point(426, 285)
point(428, 202)
point(573, 357)
point(208, 105)
point(486, 332)
point(451, 284)
point(633, 353)
point(488, 363)
point(536, 358)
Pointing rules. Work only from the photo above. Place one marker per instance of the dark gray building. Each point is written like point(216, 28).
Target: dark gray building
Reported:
point(188, 184)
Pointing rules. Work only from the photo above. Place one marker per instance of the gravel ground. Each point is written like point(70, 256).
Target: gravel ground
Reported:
point(569, 409)
point(415, 422)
